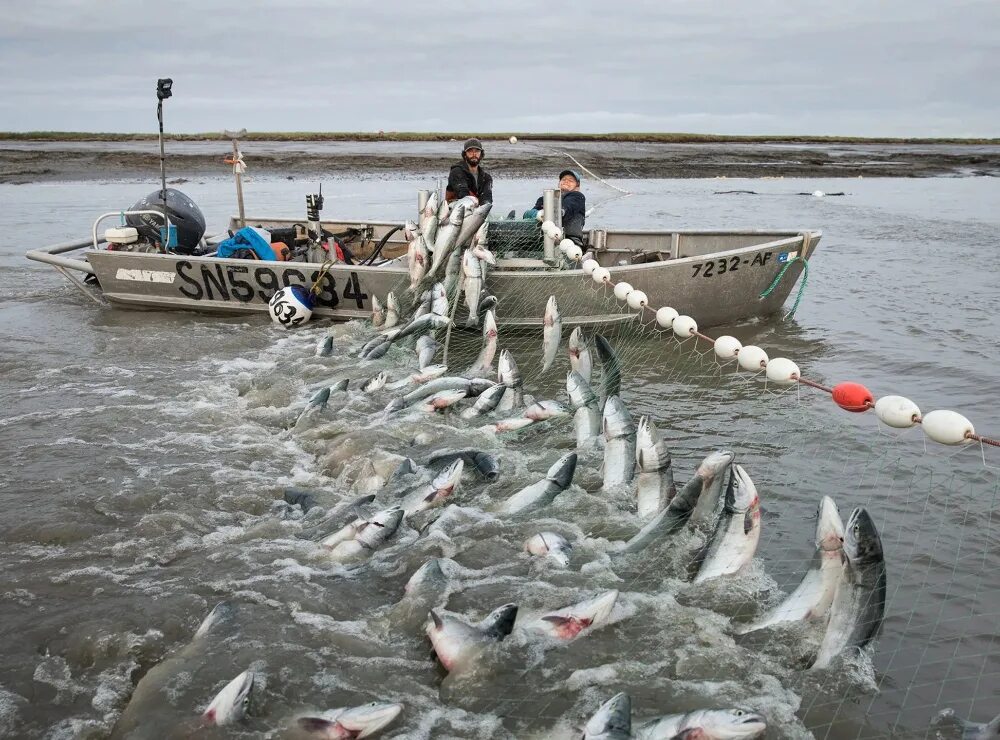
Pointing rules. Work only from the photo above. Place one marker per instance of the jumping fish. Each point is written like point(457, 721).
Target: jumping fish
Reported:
point(611, 369)
point(315, 405)
point(485, 464)
point(858, 607)
point(710, 475)
point(619, 443)
point(587, 412)
point(391, 311)
point(542, 493)
point(510, 375)
point(551, 333)
point(232, 703)
point(612, 721)
point(458, 644)
point(471, 386)
point(710, 478)
point(430, 372)
point(579, 354)
point(704, 724)
point(374, 384)
point(734, 542)
point(428, 221)
point(443, 485)
point(811, 599)
point(378, 312)
point(372, 535)
point(656, 475)
point(550, 545)
point(427, 347)
point(484, 362)
point(427, 580)
point(350, 723)
point(473, 286)
point(427, 322)
point(488, 401)
point(377, 351)
point(325, 346)
point(569, 623)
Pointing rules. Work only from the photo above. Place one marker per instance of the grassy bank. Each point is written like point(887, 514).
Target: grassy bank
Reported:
point(649, 138)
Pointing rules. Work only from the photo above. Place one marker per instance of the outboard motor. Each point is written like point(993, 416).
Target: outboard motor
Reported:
point(184, 216)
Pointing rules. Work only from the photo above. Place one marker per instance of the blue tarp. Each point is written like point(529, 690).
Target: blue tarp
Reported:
point(247, 238)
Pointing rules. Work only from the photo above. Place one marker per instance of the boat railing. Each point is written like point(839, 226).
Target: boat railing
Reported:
point(109, 214)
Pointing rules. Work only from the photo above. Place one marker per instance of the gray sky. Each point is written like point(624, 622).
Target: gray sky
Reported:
point(849, 67)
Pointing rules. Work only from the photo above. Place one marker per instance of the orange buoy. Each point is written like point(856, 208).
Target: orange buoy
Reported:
point(853, 397)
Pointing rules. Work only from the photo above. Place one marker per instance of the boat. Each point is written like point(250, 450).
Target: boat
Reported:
point(717, 277)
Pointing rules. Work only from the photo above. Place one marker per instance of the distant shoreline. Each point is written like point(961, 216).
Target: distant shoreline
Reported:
point(645, 138)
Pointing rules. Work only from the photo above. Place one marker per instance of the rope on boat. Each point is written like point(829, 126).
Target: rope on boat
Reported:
point(327, 264)
point(802, 285)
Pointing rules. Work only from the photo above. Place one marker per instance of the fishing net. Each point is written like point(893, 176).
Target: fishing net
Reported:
point(514, 237)
point(675, 646)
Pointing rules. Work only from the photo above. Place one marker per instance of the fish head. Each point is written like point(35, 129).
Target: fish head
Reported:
point(613, 718)
point(829, 527)
point(478, 386)
point(439, 322)
point(487, 465)
point(233, 702)
point(368, 719)
point(396, 404)
point(733, 724)
point(376, 304)
point(861, 538)
point(457, 216)
point(428, 573)
point(446, 481)
point(382, 526)
point(562, 470)
point(391, 303)
point(579, 390)
point(742, 493)
point(576, 341)
point(430, 208)
point(224, 611)
point(617, 421)
point(507, 370)
point(430, 372)
point(551, 311)
point(444, 399)
point(500, 622)
point(340, 385)
point(490, 325)
point(716, 464)
point(321, 397)
point(567, 623)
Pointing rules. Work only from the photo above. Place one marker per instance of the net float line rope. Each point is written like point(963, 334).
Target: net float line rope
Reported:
point(943, 426)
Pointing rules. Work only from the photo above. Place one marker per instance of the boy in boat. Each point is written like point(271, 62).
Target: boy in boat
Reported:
point(574, 206)
point(468, 178)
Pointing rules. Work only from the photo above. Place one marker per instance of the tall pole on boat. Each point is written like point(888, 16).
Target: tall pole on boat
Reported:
point(163, 91)
point(239, 167)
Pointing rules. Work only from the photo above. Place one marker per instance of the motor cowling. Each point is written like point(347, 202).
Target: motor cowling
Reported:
point(184, 216)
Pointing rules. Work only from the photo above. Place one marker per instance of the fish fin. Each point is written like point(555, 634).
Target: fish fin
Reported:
point(437, 620)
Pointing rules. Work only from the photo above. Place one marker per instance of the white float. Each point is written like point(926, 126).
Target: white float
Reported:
point(600, 275)
point(782, 371)
point(291, 306)
point(665, 316)
point(727, 347)
point(552, 231)
point(589, 265)
point(574, 253)
point(897, 412)
point(622, 290)
point(513, 139)
point(752, 358)
point(684, 326)
point(637, 299)
point(947, 427)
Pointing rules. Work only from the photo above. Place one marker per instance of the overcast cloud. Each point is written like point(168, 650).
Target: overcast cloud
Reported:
point(853, 67)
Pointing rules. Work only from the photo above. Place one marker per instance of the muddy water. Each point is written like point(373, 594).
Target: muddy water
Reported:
point(144, 453)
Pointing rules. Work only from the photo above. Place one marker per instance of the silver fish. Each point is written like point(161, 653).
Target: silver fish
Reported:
point(374, 384)
point(619, 443)
point(428, 221)
point(447, 238)
point(488, 401)
point(611, 369)
point(418, 260)
point(427, 347)
point(587, 412)
point(484, 255)
point(459, 644)
point(734, 724)
point(377, 351)
point(232, 702)
point(484, 362)
point(430, 372)
point(612, 721)
point(509, 374)
point(486, 465)
point(656, 474)
point(475, 217)
point(315, 405)
point(710, 476)
point(471, 386)
point(419, 325)
point(410, 230)
point(444, 399)
point(348, 723)
point(325, 346)
point(221, 613)
point(371, 535)
point(391, 311)
point(473, 286)
point(551, 333)
point(570, 622)
point(443, 485)
point(734, 542)
point(542, 493)
point(859, 605)
point(424, 306)
point(439, 300)
point(812, 598)
point(550, 545)
point(543, 410)
point(429, 580)
point(579, 354)
point(378, 312)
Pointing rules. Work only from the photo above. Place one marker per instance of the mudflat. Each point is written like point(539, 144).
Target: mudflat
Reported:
point(25, 161)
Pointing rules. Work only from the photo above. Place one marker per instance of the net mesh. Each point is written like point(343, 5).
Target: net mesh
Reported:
point(934, 507)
